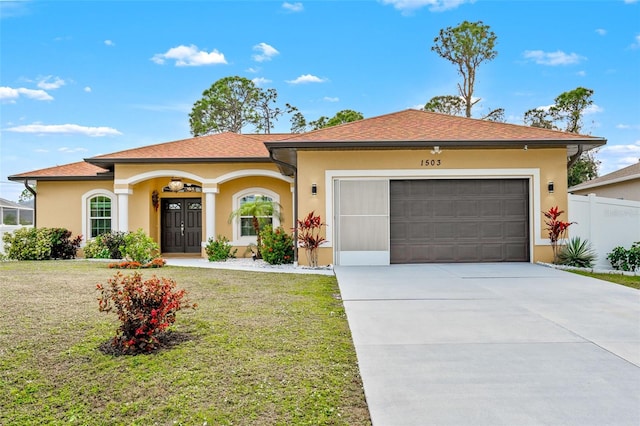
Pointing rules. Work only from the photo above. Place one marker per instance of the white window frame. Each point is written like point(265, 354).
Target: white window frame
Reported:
point(239, 240)
point(86, 211)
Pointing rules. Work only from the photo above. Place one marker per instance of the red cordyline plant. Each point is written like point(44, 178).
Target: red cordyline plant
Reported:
point(309, 237)
point(145, 309)
point(557, 229)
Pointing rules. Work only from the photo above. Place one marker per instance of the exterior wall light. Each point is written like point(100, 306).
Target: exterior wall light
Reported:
point(176, 184)
point(314, 189)
point(436, 150)
point(550, 187)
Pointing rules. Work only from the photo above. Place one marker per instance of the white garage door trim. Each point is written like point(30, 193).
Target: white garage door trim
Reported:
point(532, 174)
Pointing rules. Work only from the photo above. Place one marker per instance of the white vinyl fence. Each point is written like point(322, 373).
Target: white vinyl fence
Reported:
point(605, 222)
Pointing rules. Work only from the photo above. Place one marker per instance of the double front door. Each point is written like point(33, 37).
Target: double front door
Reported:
point(181, 225)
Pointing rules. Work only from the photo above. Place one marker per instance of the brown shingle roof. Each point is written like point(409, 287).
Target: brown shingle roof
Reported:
point(624, 174)
point(210, 147)
point(416, 125)
point(80, 169)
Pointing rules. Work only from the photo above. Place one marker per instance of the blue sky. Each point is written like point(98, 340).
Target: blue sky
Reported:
point(79, 79)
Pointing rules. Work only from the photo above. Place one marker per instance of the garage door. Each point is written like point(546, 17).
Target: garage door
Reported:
point(459, 220)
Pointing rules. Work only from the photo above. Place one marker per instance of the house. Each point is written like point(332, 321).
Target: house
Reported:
point(14, 216)
point(623, 184)
point(406, 187)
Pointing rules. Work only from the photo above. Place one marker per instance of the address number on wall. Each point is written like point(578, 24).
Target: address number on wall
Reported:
point(430, 163)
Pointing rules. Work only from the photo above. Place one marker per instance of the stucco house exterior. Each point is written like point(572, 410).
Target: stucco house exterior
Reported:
point(405, 187)
point(623, 184)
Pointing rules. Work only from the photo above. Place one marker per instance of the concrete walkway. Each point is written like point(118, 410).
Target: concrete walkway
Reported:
point(493, 344)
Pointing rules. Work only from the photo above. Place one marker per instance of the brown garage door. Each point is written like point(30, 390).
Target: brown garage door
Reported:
point(459, 220)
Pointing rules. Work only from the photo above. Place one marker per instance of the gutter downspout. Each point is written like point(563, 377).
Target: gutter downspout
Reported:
point(295, 202)
point(35, 200)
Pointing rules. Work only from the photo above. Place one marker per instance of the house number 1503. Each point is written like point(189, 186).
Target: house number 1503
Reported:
point(430, 163)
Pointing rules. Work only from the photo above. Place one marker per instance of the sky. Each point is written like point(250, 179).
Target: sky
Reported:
point(84, 78)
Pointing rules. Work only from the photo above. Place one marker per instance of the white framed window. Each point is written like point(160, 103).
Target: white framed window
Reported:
point(243, 227)
point(99, 213)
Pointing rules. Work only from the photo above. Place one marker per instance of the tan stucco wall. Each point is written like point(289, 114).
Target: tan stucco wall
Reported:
point(628, 190)
point(59, 204)
point(550, 162)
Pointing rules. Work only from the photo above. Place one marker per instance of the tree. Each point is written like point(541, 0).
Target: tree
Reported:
point(466, 46)
point(267, 114)
point(497, 115)
point(341, 117)
point(260, 208)
point(25, 195)
point(228, 105)
point(447, 104)
point(298, 122)
point(566, 115)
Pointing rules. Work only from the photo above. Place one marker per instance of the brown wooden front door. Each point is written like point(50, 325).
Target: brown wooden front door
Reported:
point(181, 225)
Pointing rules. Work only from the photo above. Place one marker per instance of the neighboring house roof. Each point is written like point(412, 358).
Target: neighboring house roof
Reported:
point(74, 171)
point(217, 147)
point(628, 173)
point(10, 204)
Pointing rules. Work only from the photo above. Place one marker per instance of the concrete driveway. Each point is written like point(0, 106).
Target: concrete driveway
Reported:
point(493, 344)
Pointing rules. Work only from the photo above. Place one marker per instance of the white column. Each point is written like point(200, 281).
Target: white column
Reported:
point(210, 209)
point(123, 209)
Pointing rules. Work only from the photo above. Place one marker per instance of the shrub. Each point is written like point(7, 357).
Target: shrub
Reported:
point(105, 246)
point(41, 244)
point(139, 247)
point(28, 244)
point(309, 237)
point(145, 309)
point(556, 228)
point(625, 260)
point(577, 253)
point(277, 246)
point(219, 249)
point(62, 245)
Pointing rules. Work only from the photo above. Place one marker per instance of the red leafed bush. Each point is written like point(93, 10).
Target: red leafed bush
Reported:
point(557, 229)
point(145, 309)
point(309, 236)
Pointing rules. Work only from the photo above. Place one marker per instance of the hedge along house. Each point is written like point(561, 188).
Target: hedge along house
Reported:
point(406, 187)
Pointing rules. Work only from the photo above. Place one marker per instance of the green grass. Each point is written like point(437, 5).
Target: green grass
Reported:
point(261, 349)
point(626, 280)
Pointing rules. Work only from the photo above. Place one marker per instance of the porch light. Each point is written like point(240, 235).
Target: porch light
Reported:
point(314, 189)
point(176, 184)
point(550, 187)
point(436, 150)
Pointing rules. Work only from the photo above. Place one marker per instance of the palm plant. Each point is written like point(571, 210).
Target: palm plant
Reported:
point(577, 253)
point(260, 208)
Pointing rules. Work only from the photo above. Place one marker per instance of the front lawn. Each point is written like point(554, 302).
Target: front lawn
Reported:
point(261, 349)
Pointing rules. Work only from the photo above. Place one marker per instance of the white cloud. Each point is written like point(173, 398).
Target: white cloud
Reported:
point(581, 73)
point(109, 43)
point(10, 94)
point(627, 126)
point(601, 31)
point(306, 78)
point(253, 70)
point(592, 109)
point(552, 58)
point(636, 43)
point(630, 1)
point(265, 52)
point(408, 6)
point(87, 89)
point(631, 149)
point(293, 7)
point(259, 81)
point(68, 129)
point(71, 150)
point(50, 82)
point(186, 56)
point(330, 99)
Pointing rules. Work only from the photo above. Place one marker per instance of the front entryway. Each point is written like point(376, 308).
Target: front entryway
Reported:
point(181, 225)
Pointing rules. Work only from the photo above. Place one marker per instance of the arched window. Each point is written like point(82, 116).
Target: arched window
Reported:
point(99, 213)
point(243, 226)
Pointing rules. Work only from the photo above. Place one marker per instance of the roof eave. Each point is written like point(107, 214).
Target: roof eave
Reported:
point(110, 162)
point(60, 178)
point(588, 185)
